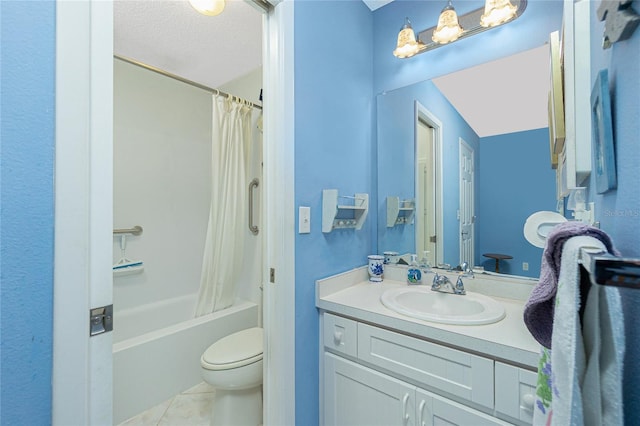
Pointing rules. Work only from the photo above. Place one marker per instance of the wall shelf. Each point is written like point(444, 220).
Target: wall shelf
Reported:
point(349, 215)
point(400, 212)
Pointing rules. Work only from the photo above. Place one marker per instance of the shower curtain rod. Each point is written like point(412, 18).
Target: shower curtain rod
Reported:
point(183, 80)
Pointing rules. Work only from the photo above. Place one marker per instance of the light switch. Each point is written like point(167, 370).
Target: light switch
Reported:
point(304, 220)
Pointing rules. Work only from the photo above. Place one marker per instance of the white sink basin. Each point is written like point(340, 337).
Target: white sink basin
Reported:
point(423, 303)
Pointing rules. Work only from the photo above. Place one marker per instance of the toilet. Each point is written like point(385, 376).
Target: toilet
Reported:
point(233, 365)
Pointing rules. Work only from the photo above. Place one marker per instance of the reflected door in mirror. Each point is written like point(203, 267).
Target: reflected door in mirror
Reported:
point(426, 192)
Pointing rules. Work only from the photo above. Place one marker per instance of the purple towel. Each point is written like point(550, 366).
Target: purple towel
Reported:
point(538, 311)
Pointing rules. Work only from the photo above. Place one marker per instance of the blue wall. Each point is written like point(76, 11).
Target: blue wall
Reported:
point(333, 150)
point(516, 180)
point(619, 210)
point(26, 227)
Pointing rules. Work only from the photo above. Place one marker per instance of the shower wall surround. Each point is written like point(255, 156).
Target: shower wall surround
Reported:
point(162, 167)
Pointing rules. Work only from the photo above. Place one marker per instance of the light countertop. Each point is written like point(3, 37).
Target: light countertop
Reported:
point(351, 294)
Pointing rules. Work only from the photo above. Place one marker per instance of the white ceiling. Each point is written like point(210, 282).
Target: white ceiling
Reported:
point(172, 36)
point(503, 96)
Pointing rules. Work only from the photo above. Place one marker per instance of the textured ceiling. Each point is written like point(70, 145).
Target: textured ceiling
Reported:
point(172, 36)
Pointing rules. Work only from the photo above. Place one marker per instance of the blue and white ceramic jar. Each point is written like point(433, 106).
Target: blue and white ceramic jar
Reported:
point(376, 267)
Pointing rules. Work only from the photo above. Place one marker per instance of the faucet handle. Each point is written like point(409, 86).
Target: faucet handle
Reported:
point(437, 282)
point(459, 288)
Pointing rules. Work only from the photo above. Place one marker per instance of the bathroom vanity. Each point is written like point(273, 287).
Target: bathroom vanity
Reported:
point(379, 367)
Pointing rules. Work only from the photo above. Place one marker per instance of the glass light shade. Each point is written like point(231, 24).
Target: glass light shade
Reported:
point(448, 28)
point(208, 7)
point(497, 12)
point(407, 45)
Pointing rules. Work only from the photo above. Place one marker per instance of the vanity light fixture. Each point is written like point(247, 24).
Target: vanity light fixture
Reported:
point(208, 7)
point(449, 28)
point(497, 12)
point(452, 27)
point(407, 45)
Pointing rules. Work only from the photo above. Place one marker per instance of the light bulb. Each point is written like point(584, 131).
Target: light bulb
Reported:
point(208, 7)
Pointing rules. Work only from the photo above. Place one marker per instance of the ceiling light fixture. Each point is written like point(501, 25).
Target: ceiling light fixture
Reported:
point(452, 27)
point(407, 45)
point(449, 28)
point(208, 7)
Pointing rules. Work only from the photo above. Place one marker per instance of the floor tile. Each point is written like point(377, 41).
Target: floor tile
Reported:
point(151, 417)
point(188, 410)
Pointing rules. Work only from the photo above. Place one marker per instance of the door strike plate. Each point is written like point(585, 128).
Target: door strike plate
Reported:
point(100, 320)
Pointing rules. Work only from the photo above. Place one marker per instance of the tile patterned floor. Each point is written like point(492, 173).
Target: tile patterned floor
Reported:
point(190, 408)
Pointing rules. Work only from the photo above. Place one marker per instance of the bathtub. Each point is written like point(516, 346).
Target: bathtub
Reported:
point(157, 349)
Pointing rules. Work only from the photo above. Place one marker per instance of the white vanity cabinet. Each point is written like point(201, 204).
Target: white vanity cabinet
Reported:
point(375, 376)
point(357, 395)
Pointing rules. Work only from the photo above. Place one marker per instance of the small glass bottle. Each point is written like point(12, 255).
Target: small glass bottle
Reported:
point(414, 275)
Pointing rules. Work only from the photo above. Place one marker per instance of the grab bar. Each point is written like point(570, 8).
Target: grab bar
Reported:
point(136, 230)
point(253, 185)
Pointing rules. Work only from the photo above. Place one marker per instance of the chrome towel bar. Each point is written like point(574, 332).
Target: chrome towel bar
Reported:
point(606, 269)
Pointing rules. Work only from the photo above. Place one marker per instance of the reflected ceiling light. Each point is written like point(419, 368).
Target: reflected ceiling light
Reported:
point(407, 45)
point(448, 29)
point(497, 12)
point(208, 7)
point(452, 27)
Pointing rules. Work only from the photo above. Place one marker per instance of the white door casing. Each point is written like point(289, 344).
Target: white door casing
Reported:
point(425, 117)
point(279, 295)
point(82, 366)
point(467, 208)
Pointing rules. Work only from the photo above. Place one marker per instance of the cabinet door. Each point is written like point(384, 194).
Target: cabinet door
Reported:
point(515, 392)
point(434, 410)
point(356, 395)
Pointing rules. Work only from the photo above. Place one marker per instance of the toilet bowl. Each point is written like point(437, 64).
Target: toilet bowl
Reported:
point(233, 366)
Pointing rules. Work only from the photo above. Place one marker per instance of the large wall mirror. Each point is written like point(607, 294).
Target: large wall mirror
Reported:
point(470, 150)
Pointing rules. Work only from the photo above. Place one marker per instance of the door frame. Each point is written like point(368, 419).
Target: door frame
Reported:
point(426, 116)
point(82, 365)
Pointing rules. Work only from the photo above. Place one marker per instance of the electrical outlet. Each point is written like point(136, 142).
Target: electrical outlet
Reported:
point(525, 266)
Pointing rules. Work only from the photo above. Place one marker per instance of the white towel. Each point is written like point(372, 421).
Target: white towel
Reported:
point(568, 361)
point(604, 346)
point(586, 365)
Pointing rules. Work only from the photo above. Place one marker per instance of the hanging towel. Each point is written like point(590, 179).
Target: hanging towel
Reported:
point(539, 309)
point(604, 345)
point(579, 381)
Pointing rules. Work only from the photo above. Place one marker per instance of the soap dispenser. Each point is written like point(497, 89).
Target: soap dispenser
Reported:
point(414, 275)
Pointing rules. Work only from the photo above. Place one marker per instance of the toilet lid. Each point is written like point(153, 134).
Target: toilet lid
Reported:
point(236, 350)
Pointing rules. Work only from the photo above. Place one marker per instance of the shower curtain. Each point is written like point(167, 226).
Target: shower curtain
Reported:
point(223, 258)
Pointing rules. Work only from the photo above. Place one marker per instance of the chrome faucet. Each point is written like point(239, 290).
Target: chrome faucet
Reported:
point(466, 270)
point(442, 284)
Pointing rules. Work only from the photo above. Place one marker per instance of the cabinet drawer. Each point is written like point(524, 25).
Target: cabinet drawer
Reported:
point(340, 334)
point(455, 372)
point(515, 392)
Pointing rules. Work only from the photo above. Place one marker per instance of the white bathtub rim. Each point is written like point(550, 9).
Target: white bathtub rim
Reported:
point(176, 328)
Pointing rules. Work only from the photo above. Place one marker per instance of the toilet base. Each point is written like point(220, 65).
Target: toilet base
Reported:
point(237, 407)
